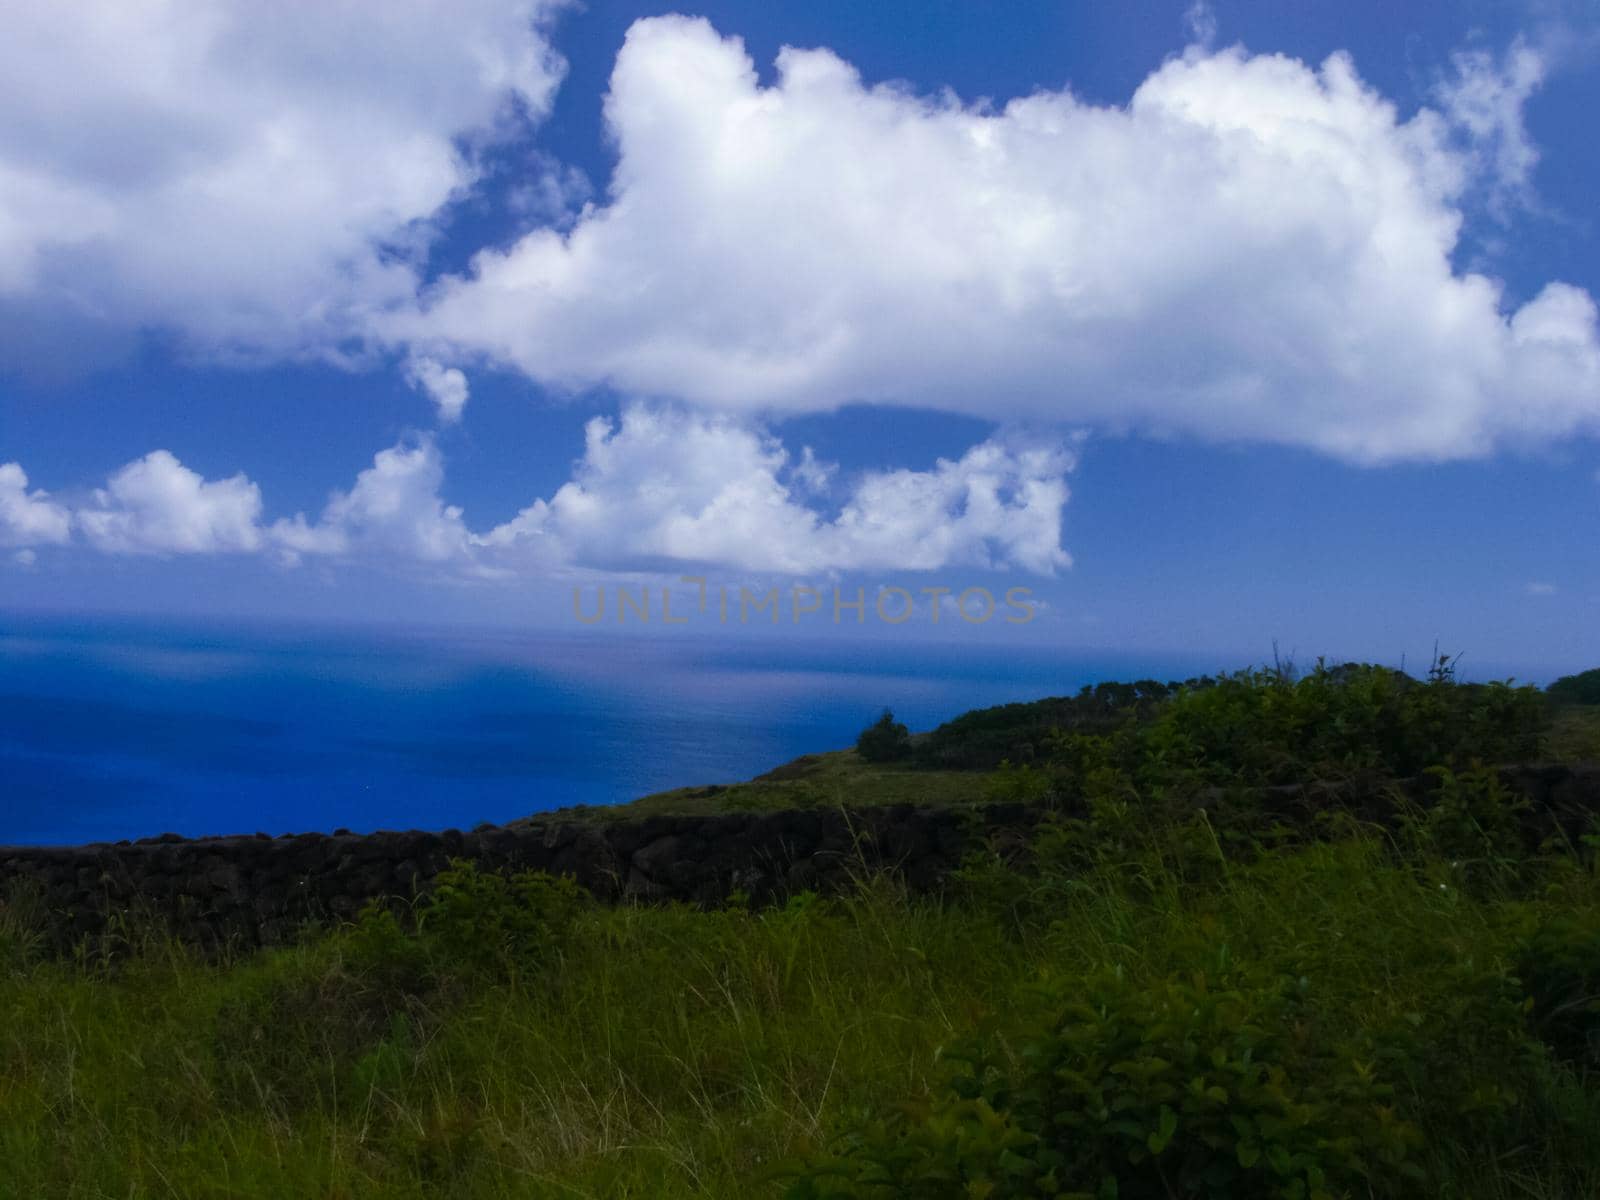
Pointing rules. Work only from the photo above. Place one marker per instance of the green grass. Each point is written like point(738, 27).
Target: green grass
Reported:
point(662, 1052)
point(1575, 734)
point(838, 777)
point(670, 1052)
point(514, 1042)
point(845, 778)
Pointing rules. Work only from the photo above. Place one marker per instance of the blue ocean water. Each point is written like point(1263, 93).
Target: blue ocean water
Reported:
point(126, 729)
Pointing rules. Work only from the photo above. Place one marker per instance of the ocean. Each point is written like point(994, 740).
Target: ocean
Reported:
point(114, 729)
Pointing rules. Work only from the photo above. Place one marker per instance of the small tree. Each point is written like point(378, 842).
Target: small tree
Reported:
point(885, 740)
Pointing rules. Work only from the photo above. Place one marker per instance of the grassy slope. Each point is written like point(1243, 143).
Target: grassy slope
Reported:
point(812, 780)
point(665, 1052)
point(842, 777)
point(1575, 735)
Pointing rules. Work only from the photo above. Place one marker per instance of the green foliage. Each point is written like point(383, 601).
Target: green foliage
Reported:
point(1559, 966)
point(289, 1031)
point(1019, 733)
point(345, 1013)
point(1574, 734)
point(1462, 1054)
point(1257, 728)
point(1583, 688)
point(1180, 1087)
point(885, 740)
point(490, 923)
point(21, 938)
point(1473, 821)
point(1166, 992)
point(1361, 1020)
point(1025, 784)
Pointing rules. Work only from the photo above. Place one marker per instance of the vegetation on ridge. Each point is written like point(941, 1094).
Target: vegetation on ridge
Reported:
point(1154, 999)
point(1583, 688)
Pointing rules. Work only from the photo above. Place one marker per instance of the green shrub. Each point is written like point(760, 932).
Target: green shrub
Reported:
point(346, 1011)
point(1559, 966)
point(885, 740)
point(1022, 732)
point(1137, 1090)
point(1256, 728)
point(488, 922)
point(1462, 1054)
point(1583, 688)
point(290, 1030)
point(1025, 784)
point(1473, 821)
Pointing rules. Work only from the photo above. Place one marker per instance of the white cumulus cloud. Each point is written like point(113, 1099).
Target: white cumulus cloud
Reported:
point(393, 512)
point(660, 489)
point(254, 177)
point(445, 386)
point(665, 486)
point(156, 505)
point(29, 518)
point(1250, 249)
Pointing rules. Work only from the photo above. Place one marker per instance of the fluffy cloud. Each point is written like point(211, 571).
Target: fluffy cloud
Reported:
point(392, 512)
point(672, 487)
point(29, 518)
point(1250, 249)
point(156, 505)
point(251, 179)
point(661, 489)
point(666, 489)
point(445, 386)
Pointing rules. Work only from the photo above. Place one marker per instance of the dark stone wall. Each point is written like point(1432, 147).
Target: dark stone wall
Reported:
point(260, 889)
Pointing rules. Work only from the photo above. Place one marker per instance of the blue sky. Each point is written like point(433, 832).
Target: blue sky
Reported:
point(1155, 310)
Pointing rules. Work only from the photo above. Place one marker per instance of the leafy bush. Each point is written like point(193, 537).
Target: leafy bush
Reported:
point(1019, 733)
point(1133, 1090)
point(885, 740)
point(491, 923)
point(1583, 688)
point(1257, 728)
point(1473, 821)
point(1462, 1054)
point(1559, 966)
point(346, 1012)
point(290, 1031)
point(1026, 784)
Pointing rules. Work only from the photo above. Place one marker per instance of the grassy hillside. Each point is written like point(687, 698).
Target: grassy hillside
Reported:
point(1155, 1002)
point(1365, 718)
point(831, 778)
point(1574, 735)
